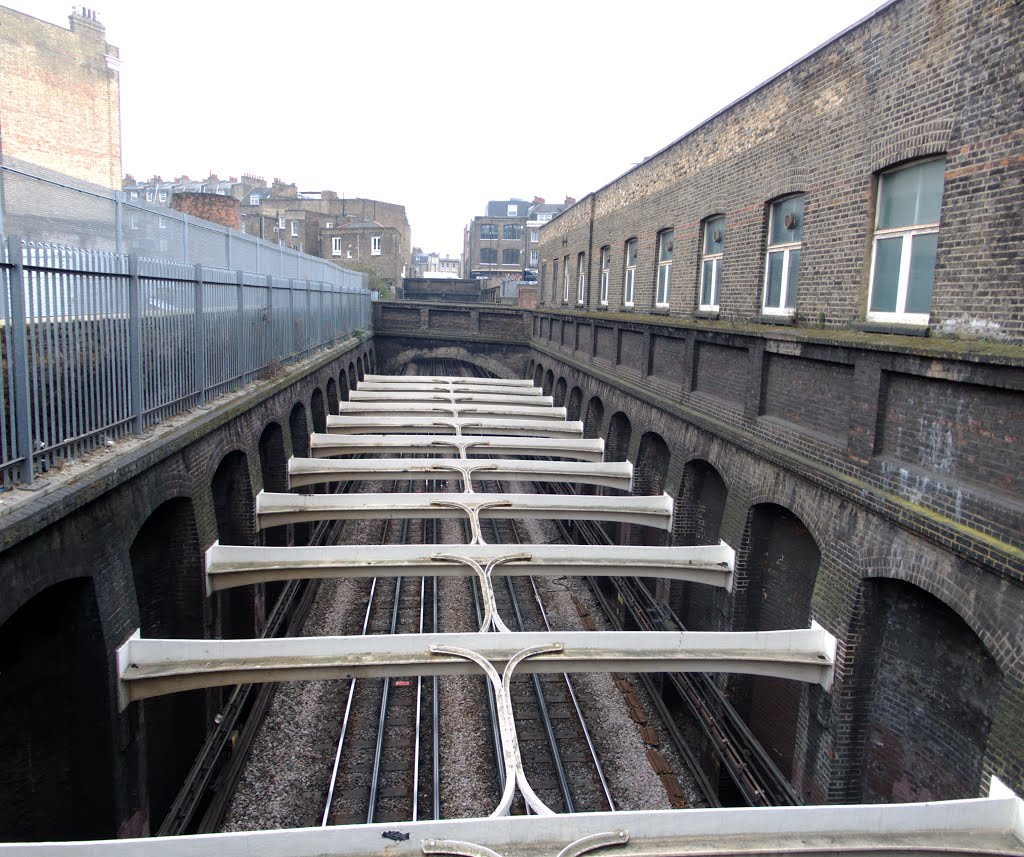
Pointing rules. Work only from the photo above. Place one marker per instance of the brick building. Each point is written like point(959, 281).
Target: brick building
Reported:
point(366, 245)
point(888, 199)
point(503, 244)
point(60, 99)
point(208, 206)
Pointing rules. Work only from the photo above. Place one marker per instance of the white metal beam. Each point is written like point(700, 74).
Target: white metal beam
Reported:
point(413, 380)
point(155, 667)
point(989, 825)
point(398, 408)
point(583, 449)
point(273, 510)
point(509, 395)
point(450, 425)
point(315, 471)
point(233, 565)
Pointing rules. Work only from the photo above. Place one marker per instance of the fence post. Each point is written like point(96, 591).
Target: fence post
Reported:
point(118, 221)
point(271, 322)
point(291, 317)
point(19, 360)
point(240, 308)
point(184, 238)
point(200, 339)
point(227, 248)
point(135, 396)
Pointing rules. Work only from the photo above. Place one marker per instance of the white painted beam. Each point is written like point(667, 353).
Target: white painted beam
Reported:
point(511, 395)
point(233, 565)
point(406, 380)
point(155, 667)
point(316, 471)
point(397, 408)
point(583, 449)
point(449, 425)
point(273, 510)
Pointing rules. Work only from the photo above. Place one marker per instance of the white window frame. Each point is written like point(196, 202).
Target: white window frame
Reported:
point(504, 253)
point(295, 229)
point(374, 245)
point(716, 265)
point(162, 196)
point(513, 227)
point(565, 288)
point(907, 233)
point(336, 245)
point(786, 248)
point(663, 289)
point(513, 210)
point(134, 194)
point(581, 278)
point(254, 199)
point(280, 223)
point(534, 258)
point(629, 276)
point(488, 250)
point(534, 236)
point(606, 261)
point(149, 196)
point(489, 227)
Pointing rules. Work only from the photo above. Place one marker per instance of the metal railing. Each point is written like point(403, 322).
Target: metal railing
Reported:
point(60, 209)
point(98, 345)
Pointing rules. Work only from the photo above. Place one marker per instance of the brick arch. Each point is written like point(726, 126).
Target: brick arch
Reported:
point(494, 367)
point(549, 383)
point(909, 141)
point(234, 510)
point(166, 565)
point(56, 766)
point(343, 386)
point(332, 396)
point(653, 460)
point(573, 404)
point(594, 418)
point(808, 505)
point(529, 368)
point(366, 363)
point(620, 431)
point(318, 411)
point(922, 696)
point(559, 393)
point(353, 380)
point(538, 375)
point(360, 372)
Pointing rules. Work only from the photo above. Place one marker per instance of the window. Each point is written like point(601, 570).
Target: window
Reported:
point(513, 209)
point(906, 238)
point(512, 232)
point(280, 223)
point(328, 225)
point(163, 196)
point(581, 279)
point(348, 252)
point(488, 231)
point(149, 196)
point(711, 265)
point(375, 245)
point(606, 261)
point(295, 229)
point(488, 256)
point(629, 281)
point(336, 245)
point(543, 279)
point(133, 222)
point(534, 257)
point(161, 223)
point(254, 199)
point(510, 256)
point(782, 266)
point(565, 279)
point(134, 194)
point(665, 241)
point(534, 236)
point(554, 279)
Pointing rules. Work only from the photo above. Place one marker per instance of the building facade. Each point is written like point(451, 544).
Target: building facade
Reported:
point(504, 243)
point(60, 99)
point(888, 200)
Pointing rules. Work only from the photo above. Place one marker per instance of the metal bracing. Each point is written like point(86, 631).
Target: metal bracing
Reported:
point(449, 409)
point(582, 449)
point(233, 565)
point(316, 471)
point(453, 425)
point(510, 395)
point(374, 382)
point(990, 825)
point(155, 667)
point(273, 510)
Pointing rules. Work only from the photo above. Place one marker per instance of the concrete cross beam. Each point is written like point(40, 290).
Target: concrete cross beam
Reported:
point(398, 408)
point(989, 825)
point(316, 471)
point(445, 380)
point(453, 425)
point(497, 397)
point(583, 449)
point(274, 510)
point(234, 565)
point(149, 668)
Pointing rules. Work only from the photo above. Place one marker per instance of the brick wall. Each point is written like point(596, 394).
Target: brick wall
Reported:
point(60, 99)
point(209, 206)
point(919, 78)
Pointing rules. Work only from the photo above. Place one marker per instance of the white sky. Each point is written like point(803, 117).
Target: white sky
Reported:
point(440, 105)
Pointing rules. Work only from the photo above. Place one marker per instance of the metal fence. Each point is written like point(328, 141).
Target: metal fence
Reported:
point(97, 345)
point(56, 208)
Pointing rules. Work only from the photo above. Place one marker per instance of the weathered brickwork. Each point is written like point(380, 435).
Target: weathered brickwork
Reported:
point(60, 99)
point(131, 530)
point(209, 206)
point(919, 79)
